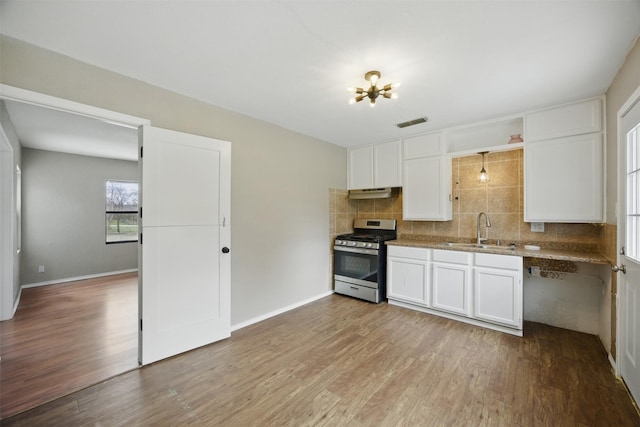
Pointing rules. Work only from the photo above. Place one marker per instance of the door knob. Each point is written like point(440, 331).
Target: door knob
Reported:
point(622, 268)
point(225, 250)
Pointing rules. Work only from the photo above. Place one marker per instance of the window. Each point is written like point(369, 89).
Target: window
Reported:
point(121, 212)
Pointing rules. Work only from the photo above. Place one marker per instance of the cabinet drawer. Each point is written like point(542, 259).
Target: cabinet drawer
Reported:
point(454, 257)
point(510, 262)
point(362, 292)
point(409, 252)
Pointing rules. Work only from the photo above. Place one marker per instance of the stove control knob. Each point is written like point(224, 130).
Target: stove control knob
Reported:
point(339, 242)
point(368, 245)
point(352, 243)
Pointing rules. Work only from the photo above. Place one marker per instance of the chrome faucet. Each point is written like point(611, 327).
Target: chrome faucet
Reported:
point(480, 239)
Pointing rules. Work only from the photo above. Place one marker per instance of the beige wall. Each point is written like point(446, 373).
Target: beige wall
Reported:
point(279, 179)
point(624, 84)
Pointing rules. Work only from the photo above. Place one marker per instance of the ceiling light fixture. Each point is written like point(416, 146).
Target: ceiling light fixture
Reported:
point(374, 91)
point(483, 178)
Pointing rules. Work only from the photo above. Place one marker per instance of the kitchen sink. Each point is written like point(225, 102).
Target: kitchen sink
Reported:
point(478, 246)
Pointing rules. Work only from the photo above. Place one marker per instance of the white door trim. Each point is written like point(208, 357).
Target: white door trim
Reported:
point(7, 226)
point(22, 95)
point(620, 239)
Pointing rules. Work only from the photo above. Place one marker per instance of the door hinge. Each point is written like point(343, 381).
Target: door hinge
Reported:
point(140, 238)
point(141, 152)
point(141, 324)
point(140, 211)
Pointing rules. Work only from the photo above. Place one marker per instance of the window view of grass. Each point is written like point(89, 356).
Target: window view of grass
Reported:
point(121, 213)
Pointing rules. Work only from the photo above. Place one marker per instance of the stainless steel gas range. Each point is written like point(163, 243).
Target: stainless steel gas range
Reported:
point(360, 259)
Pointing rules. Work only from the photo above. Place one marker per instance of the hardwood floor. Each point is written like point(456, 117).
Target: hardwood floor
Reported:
point(66, 337)
point(340, 361)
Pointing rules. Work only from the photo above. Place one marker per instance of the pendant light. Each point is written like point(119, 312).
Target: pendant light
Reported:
point(483, 178)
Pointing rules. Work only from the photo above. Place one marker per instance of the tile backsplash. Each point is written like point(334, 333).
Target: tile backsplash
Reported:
point(502, 198)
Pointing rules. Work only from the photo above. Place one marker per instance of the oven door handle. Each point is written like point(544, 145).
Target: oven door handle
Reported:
point(356, 250)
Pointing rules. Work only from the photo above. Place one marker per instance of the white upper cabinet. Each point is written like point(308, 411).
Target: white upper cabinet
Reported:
point(375, 166)
point(564, 164)
point(567, 120)
point(430, 144)
point(360, 168)
point(564, 179)
point(426, 192)
point(426, 182)
point(387, 164)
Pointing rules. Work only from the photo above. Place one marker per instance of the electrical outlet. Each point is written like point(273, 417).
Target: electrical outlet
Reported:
point(41, 269)
point(534, 271)
point(537, 227)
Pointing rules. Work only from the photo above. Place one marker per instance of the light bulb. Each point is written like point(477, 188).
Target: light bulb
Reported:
point(372, 103)
point(351, 89)
point(374, 79)
point(394, 95)
point(352, 100)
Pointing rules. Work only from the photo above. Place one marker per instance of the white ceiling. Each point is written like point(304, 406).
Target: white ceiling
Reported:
point(47, 129)
point(288, 62)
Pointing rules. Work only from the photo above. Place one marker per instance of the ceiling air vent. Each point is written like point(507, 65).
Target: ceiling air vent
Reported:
point(412, 122)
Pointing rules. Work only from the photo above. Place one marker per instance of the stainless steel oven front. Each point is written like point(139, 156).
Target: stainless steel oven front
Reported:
point(359, 272)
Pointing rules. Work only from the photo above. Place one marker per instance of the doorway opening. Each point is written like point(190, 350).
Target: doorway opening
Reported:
point(85, 328)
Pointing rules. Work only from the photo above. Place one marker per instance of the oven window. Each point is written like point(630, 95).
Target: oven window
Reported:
point(356, 266)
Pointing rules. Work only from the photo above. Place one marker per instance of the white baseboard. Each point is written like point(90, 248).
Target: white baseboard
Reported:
point(279, 311)
point(73, 279)
point(614, 365)
point(16, 303)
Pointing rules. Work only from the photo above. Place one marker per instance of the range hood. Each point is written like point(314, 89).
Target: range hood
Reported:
point(371, 193)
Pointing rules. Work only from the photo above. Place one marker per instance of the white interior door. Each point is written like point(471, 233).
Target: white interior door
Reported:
point(184, 261)
point(629, 238)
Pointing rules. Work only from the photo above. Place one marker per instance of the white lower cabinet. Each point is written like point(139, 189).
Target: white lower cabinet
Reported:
point(478, 288)
point(452, 282)
point(408, 274)
point(497, 292)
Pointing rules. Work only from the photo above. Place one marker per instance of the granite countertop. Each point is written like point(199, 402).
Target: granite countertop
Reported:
point(563, 254)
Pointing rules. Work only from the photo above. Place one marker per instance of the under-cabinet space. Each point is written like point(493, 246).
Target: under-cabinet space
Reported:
point(486, 136)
